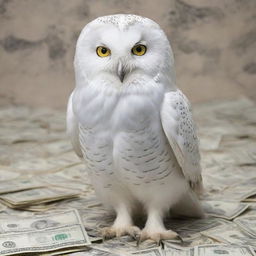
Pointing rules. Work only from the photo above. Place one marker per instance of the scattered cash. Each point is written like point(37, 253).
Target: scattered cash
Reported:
point(46, 232)
point(52, 239)
point(237, 193)
point(231, 234)
point(150, 252)
point(224, 209)
point(217, 249)
point(174, 250)
point(192, 229)
point(247, 224)
point(48, 206)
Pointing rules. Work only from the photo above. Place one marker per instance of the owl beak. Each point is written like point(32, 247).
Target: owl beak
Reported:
point(120, 71)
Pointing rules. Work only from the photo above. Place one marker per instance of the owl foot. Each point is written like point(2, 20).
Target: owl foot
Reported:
point(158, 236)
point(111, 232)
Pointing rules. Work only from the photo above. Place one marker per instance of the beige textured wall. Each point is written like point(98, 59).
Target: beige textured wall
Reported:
point(214, 43)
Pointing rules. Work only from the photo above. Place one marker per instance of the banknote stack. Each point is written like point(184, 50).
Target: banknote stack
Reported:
point(27, 192)
point(57, 232)
point(48, 206)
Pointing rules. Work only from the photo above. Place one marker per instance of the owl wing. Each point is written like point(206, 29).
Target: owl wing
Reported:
point(179, 128)
point(72, 127)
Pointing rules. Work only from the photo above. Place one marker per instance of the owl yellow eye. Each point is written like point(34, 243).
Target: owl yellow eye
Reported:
point(139, 49)
point(103, 51)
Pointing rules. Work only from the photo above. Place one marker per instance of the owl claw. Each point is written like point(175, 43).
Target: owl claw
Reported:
point(179, 238)
point(159, 236)
point(111, 232)
point(107, 233)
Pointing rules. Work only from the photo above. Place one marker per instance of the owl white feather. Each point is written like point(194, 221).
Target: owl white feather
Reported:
point(132, 126)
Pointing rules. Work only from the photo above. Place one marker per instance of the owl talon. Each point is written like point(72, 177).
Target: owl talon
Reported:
point(107, 233)
point(111, 232)
point(159, 236)
point(138, 242)
point(179, 238)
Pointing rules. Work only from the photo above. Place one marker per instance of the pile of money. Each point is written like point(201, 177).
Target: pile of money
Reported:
point(59, 232)
point(27, 192)
point(48, 206)
point(23, 199)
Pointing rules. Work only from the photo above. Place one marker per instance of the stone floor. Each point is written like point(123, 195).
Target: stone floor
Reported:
point(33, 144)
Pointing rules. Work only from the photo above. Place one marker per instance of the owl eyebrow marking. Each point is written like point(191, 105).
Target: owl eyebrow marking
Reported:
point(140, 42)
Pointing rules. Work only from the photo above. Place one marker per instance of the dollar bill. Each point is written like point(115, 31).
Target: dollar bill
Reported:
point(15, 224)
point(175, 250)
point(200, 240)
point(96, 252)
point(36, 196)
point(150, 252)
point(231, 234)
point(117, 245)
point(125, 244)
point(34, 165)
point(76, 172)
point(96, 218)
point(191, 229)
point(220, 249)
point(58, 180)
point(247, 224)
point(189, 243)
point(224, 209)
point(90, 201)
point(19, 184)
point(51, 239)
point(64, 160)
point(6, 174)
point(57, 147)
point(38, 207)
point(46, 165)
point(236, 193)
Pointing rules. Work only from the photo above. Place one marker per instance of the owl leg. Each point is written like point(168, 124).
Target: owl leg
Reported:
point(123, 225)
point(155, 229)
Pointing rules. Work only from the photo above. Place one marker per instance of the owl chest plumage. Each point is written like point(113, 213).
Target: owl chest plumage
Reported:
point(122, 139)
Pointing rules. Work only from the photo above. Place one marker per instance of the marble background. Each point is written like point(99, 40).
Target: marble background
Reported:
point(214, 44)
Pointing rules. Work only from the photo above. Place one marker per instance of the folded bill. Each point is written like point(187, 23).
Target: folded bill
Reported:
point(36, 196)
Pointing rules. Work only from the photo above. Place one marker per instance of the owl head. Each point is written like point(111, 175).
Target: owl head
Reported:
point(121, 49)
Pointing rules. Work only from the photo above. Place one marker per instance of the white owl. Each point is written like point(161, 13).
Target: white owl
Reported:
point(132, 126)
